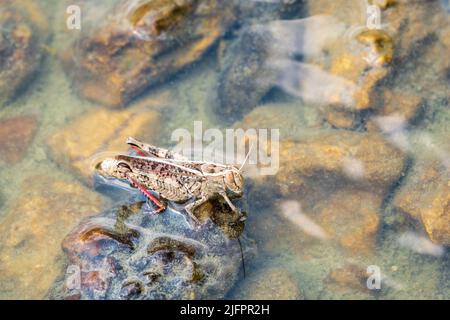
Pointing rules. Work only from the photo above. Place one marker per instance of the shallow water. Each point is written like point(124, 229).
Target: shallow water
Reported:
point(368, 198)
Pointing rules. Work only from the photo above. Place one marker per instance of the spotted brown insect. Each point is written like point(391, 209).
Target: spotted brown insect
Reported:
point(174, 177)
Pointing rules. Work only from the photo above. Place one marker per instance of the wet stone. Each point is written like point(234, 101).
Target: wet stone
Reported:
point(349, 280)
point(405, 107)
point(351, 217)
point(341, 119)
point(349, 276)
point(16, 135)
point(361, 158)
point(291, 118)
point(266, 55)
point(32, 229)
point(425, 197)
point(363, 58)
point(23, 33)
point(128, 253)
point(261, 11)
point(141, 44)
point(384, 63)
point(270, 283)
point(245, 76)
point(339, 179)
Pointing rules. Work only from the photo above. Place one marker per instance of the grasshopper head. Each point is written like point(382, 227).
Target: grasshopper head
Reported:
point(113, 168)
point(234, 181)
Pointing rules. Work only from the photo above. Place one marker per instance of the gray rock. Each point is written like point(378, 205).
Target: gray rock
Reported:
point(129, 253)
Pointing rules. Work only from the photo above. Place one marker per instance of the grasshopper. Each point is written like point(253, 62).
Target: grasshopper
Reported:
point(174, 177)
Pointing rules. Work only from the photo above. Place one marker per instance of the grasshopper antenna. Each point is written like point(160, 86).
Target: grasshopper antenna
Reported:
point(246, 157)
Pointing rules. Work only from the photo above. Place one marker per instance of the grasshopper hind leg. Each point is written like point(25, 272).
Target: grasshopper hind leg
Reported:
point(159, 203)
point(149, 208)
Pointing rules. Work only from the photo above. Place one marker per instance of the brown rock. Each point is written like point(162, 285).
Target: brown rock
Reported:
point(348, 281)
point(23, 32)
point(292, 119)
point(16, 134)
point(357, 68)
point(141, 44)
point(350, 217)
point(32, 230)
point(425, 196)
point(408, 22)
point(406, 105)
point(383, 4)
point(419, 30)
point(340, 179)
point(101, 130)
point(269, 284)
point(415, 34)
point(345, 10)
point(365, 158)
point(345, 216)
point(365, 97)
point(381, 43)
point(363, 61)
point(348, 277)
point(341, 119)
point(244, 78)
point(396, 104)
point(412, 22)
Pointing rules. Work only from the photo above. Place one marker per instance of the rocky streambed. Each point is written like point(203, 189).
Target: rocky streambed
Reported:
point(363, 154)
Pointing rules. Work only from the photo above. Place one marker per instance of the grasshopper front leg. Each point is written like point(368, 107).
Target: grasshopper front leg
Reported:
point(191, 207)
point(232, 206)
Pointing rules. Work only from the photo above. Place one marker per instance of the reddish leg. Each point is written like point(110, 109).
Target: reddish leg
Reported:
point(140, 152)
point(141, 188)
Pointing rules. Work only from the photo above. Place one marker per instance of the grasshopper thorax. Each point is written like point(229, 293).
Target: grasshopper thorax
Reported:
point(230, 177)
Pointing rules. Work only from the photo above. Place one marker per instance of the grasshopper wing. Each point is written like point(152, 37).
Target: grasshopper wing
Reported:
point(147, 150)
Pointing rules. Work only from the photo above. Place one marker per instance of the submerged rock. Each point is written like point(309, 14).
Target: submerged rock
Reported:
point(388, 62)
point(405, 107)
point(306, 58)
point(245, 76)
point(348, 280)
point(351, 217)
point(23, 33)
point(359, 158)
point(293, 119)
point(340, 119)
point(271, 283)
point(269, 10)
point(16, 134)
point(142, 43)
point(425, 196)
point(339, 179)
point(32, 229)
point(127, 253)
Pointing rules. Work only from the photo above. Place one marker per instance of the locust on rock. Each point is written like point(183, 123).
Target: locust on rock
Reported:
point(174, 177)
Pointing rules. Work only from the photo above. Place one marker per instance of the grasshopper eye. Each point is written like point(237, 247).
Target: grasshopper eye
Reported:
point(229, 179)
point(238, 179)
point(234, 181)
